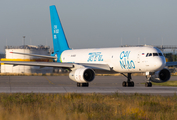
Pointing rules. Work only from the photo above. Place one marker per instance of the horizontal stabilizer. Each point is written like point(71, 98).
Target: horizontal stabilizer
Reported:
point(36, 55)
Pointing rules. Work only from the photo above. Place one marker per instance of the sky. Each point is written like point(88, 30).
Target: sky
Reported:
point(90, 23)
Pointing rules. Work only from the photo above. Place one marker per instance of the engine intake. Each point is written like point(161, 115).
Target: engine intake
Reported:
point(82, 75)
point(161, 76)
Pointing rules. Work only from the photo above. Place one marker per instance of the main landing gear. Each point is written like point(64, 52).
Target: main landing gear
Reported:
point(82, 84)
point(148, 83)
point(128, 83)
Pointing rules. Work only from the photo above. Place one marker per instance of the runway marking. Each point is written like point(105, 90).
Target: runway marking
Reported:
point(48, 80)
point(65, 89)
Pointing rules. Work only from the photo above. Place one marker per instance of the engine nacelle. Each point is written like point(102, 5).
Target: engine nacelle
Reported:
point(161, 76)
point(82, 75)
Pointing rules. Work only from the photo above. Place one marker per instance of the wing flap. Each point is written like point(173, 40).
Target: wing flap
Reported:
point(96, 66)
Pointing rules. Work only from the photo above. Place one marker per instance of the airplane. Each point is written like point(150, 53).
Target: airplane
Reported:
point(84, 63)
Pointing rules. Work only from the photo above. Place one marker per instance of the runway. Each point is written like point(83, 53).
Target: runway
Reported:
point(62, 84)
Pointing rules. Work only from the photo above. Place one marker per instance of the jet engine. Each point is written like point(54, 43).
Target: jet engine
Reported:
point(82, 75)
point(161, 76)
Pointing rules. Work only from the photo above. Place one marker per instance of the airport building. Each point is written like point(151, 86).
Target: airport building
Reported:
point(30, 49)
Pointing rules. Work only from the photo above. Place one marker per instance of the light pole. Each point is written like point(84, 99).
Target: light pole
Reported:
point(24, 40)
point(24, 50)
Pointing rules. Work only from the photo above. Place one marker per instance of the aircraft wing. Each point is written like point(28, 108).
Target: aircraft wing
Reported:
point(55, 64)
point(171, 63)
point(41, 64)
point(36, 55)
point(95, 66)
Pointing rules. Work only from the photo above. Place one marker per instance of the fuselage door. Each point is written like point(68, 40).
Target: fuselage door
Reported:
point(138, 57)
point(148, 56)
point(140, 61)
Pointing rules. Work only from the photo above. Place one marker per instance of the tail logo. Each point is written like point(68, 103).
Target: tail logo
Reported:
point(56, 31)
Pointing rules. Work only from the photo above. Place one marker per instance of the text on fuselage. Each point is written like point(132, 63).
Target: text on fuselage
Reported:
point(125, 62)
point(95, 56)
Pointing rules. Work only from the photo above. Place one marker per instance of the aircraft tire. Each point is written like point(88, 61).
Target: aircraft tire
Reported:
point(132, 84)
point(82, 84)
point(85, 84)
point(124, 84)
point(78, 84)
point(148, 84)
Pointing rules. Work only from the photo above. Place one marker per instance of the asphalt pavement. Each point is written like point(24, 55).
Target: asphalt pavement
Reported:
point(62, 84)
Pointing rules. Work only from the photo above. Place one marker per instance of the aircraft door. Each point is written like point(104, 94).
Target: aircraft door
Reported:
point(138, 57)
point(147, 61)
point(140, 62)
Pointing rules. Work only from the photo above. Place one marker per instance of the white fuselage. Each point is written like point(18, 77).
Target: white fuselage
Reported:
point(121, 59)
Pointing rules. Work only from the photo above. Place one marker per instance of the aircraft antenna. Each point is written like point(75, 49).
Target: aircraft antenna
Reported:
point(138, 41)
point(121, 41)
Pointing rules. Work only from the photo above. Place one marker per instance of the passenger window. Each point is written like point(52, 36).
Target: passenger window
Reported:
point(147, 54)
point(150, 54)
point(160, 54)
point(155, 54)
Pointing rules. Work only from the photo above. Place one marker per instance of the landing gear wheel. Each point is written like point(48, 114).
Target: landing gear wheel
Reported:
point(82, 84)
point(132, 84)
point(128, 84)
point(124, 84)
point(148, 84)
point(78, 84)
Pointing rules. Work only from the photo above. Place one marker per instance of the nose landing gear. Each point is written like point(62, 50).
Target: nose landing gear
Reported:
point(148, 83)
point(128, 83)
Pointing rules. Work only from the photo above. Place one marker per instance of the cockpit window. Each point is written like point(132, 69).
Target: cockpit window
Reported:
point(147, 54)
point(155, 54)
point(160, 54)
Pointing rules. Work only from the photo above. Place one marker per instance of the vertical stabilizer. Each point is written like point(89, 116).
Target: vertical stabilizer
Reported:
point(59, 40)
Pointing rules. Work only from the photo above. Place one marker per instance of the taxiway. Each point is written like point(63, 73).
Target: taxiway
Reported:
point(62, 84)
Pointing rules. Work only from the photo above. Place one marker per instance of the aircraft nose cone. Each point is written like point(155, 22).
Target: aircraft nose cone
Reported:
point(160, 64)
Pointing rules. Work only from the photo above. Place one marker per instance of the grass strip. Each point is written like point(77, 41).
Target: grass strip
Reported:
point(72, 106)
point(168, 83)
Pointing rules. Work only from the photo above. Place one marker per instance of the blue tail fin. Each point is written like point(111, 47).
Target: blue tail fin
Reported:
point(59, 40)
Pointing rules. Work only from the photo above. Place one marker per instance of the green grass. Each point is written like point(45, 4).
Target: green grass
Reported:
point(74, 106)
point(168, 83)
